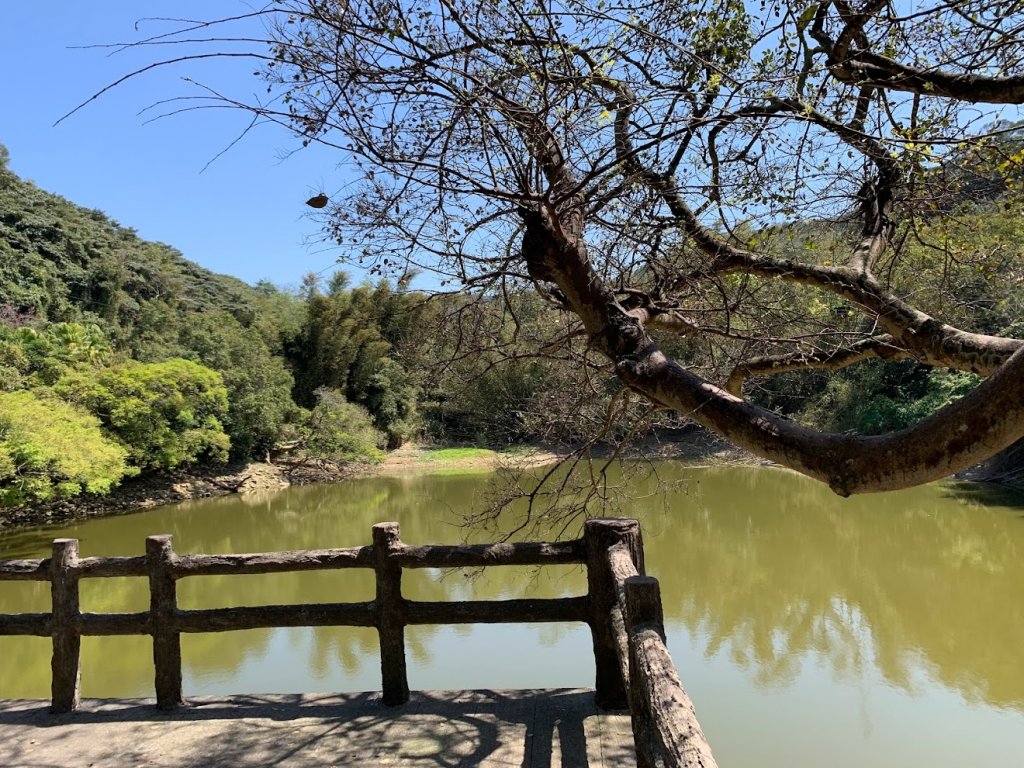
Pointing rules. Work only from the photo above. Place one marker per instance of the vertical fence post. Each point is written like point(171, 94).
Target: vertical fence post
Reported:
point(67, 639)
point(390, 614)
point(163, 604)
point(601, 534)
point(643, 604)
point(643, 609)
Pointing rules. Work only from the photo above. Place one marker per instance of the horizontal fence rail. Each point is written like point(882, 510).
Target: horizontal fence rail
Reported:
point(389, 612)
point(622, 609)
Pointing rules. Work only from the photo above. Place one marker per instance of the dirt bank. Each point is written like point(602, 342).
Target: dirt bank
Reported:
point(416, 458)
point(171, 487)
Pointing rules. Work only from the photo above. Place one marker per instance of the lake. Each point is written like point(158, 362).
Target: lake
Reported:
point(883, 630)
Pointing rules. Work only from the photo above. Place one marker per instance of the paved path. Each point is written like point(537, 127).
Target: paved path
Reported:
point(526, 729)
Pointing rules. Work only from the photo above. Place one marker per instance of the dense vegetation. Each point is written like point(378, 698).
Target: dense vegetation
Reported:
point(118, 356)
point(142, 361)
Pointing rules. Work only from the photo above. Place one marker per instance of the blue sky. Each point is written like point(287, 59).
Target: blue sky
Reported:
point(244, 215)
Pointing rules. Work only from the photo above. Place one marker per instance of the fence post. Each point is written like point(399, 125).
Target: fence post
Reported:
point(390, 615)
point(163, 605)
point(643, 609)
point(601, 534)
point(67, 638)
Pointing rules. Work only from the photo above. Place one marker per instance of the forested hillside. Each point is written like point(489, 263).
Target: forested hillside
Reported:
point(119, 356)
point(60, 262)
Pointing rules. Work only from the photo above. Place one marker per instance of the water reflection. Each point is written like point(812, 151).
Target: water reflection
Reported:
point(765, 564)
point(758, 566)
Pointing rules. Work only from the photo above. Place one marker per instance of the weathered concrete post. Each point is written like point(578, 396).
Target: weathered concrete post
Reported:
point(601, 534)
point(643, 604)
point(390, 615)
point(643, 609)
point(665, 727)
point(67, 639)
point(163, 604)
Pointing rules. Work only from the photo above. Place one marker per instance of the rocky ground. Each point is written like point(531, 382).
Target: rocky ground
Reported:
point(171, 487)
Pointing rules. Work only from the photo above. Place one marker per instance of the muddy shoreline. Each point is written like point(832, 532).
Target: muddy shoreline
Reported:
point(162, 488)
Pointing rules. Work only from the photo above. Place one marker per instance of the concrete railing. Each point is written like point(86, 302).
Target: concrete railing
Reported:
point(622, 609)
point(665, 728)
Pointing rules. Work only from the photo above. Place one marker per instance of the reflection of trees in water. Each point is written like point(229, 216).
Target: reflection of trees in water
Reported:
point(350, 647)
point(772, 568)
point(768, 566)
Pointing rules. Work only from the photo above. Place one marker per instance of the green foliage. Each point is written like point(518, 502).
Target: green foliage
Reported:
point(92, 291)
point(943, 388)
point(41, 355)
point(499, 393)
point(963, 266)
point(279, 316)
point(968, 268)
point(49, 449)
point(341, 431)
point(166, 414)
point(258, 383)
point(390, 396)
point(872, 398)
point(494, 406)
point(349, 342)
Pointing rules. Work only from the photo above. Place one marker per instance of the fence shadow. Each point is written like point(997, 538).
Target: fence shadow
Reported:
point(527, 729)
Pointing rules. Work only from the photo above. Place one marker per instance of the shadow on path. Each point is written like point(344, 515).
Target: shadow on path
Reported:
point(525, 729)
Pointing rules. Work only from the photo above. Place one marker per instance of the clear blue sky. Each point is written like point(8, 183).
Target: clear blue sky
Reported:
point(244, 215)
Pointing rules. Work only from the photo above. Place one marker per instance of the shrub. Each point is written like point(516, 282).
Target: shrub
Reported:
point(50, 449)
point(341, 431)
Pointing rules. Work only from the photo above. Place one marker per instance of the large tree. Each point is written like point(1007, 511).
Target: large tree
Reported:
point(674, 168)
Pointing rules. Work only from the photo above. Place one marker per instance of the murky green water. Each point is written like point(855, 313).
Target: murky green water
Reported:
point(809, 630)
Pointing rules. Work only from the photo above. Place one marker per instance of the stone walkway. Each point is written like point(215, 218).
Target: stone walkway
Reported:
point(526, 729)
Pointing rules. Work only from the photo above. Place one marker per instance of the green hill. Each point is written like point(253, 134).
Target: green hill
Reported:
point(61, 262)
point(150, 362)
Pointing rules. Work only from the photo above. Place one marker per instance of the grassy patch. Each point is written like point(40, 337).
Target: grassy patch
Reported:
point(457, 454)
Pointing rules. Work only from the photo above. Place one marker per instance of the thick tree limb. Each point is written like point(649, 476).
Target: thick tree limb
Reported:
point(982, 423)
point(850, 60)
point(985, 421)
point(866, 68)
point(928, 339)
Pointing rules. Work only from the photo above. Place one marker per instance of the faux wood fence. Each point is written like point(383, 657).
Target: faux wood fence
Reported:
point(665, 728)
point(622, 608)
